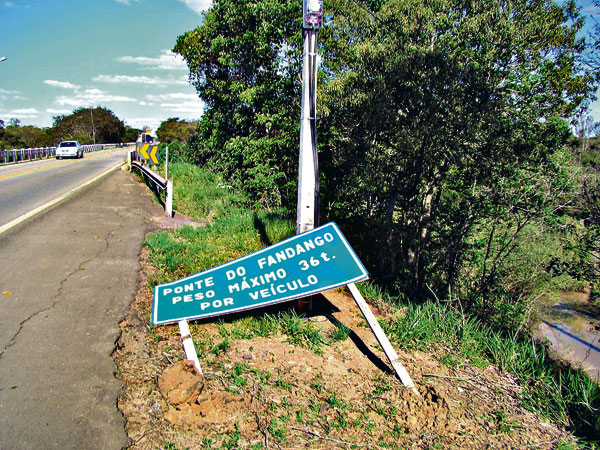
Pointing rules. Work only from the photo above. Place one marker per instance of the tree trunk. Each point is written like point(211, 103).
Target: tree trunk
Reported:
point(386, 256)
point(417, 255)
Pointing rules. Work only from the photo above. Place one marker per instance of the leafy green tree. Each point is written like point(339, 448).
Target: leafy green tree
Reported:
point(442, 128)
point(174, 129)
point(84, 124)
point(17, 136)
point(441, 121)
point(88, 125)
point(592, 53)
point(131, 134)
point(586, 209)
point(244, 61)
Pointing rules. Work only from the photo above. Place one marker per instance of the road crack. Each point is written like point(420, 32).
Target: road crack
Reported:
point(54, 299)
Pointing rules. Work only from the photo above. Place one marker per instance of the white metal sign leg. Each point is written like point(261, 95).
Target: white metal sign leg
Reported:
point(382, 338)
point(188, 344)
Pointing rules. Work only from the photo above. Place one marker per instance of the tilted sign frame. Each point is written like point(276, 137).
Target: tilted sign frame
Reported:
point(343, 264)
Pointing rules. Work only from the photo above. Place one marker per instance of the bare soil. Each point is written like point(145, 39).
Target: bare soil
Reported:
point(268, 393)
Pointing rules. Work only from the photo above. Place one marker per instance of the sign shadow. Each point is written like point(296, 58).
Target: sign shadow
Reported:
point(323, 307)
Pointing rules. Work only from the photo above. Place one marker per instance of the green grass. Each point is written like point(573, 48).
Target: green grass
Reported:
point(298, 332)
point(236, 232)
point(566, 395)
point(202, 195)
point(340, 333)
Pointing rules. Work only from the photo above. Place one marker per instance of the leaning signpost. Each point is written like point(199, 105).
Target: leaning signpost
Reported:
point(313, 261)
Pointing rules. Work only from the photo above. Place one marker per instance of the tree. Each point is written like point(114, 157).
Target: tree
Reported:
point(174, 129)
point(244, 61)
point(17, 136)
point(592, 54)
point(442, 119)
point(131, 134)
point(442, 124)
point(89, 124)
point(585, 128)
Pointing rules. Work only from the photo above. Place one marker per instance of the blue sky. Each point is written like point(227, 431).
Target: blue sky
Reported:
point(66, 54)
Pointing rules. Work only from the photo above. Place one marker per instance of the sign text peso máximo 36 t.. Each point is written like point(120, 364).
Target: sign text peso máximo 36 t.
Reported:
point(305, 264)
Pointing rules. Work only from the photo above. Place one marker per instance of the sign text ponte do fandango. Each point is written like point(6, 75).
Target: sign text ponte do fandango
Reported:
point(302, 265)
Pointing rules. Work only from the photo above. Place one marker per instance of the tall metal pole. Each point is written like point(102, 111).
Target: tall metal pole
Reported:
point(308, 172)
point(93, 129)
point(167, 163)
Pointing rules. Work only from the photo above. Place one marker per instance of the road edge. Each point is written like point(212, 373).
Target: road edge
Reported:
point(51, 203)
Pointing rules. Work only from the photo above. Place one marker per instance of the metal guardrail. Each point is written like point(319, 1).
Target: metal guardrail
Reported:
point(160, 182)
point(16, 155)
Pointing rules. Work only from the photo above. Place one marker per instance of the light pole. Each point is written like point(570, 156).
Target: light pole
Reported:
point(93, 129)
point(308, 171)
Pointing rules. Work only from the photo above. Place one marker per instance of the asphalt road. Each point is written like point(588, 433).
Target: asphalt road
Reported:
point(67, 277)
point(26, 186)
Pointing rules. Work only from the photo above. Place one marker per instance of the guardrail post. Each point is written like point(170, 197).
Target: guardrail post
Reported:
point(129, 159)
point(169, 199)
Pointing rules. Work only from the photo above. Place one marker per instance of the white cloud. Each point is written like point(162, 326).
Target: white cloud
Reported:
point(26, 111)
point(119, 79)
point(198, 6)
point(92, 97)
point(58, 111)
point(139, 122)
point(9, 4)
point(12, 95)
point(126, 2)
point(172, 96)
point(194, 108)
point(61, 84)
point(167, 60)
point(19, 113)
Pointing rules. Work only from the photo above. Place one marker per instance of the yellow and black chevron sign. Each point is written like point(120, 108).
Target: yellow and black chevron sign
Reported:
point(149, 152)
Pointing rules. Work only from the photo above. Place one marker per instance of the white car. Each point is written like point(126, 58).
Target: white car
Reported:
point(67, 149)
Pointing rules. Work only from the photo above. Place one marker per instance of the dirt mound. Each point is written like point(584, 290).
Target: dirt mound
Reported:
point(180, 383)
point(265, 392)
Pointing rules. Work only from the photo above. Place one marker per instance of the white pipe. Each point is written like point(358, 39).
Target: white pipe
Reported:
point(308, 164)
point(169, 199)
point(188, 344)
point(383, 340)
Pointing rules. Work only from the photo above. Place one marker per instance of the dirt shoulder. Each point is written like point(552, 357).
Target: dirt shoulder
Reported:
point(265, 392)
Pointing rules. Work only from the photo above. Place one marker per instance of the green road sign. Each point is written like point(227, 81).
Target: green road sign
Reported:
point(305, 264)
